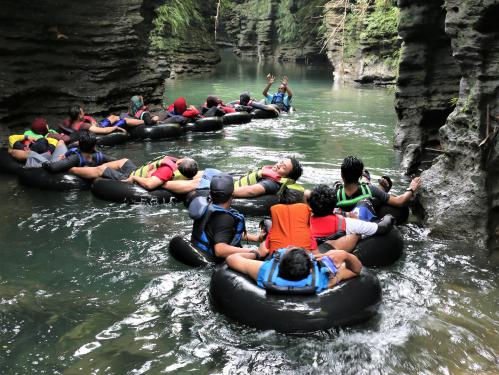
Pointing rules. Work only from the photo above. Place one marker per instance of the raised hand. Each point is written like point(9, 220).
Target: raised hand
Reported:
point(285, 80)
point(270, 78)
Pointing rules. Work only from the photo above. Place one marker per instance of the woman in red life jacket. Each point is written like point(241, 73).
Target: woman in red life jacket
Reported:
point(179, 108)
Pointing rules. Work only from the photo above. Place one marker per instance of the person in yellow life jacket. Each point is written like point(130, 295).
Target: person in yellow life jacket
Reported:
point(150, 176)
point(270, 179)
point(40, 139)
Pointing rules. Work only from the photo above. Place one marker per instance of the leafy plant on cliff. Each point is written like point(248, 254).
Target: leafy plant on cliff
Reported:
point(298, 21)
point(173, 20)
point(352, 23)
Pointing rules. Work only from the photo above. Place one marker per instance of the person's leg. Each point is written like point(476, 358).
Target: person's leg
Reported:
point(60, 150)
point(346, 243)
point(360, 227)
point(35, 160)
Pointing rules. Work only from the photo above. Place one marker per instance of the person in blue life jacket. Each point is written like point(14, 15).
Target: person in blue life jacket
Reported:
point(293, 269)
point(282, 98)
point(218, 229)
point(80, 160)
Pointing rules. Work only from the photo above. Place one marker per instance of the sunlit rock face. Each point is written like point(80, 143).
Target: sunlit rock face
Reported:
point(447, 99)
point(96, 53)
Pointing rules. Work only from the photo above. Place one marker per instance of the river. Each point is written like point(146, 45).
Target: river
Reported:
point(88, 286)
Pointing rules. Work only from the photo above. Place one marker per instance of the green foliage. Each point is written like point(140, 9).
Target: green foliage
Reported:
point(298, 21)
point(382, 23)
point(173, 21)
point(453, 101)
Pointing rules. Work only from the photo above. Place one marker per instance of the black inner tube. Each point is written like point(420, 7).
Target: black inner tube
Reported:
point(239, 298)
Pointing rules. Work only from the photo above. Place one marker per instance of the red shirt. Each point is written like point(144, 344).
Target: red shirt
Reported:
point(164, 173)
point(325, 226)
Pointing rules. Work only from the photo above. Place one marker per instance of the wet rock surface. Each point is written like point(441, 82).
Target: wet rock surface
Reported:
point(459, 198)
point(97, 53)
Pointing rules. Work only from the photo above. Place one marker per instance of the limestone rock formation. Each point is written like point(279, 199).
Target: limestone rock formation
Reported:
point(362, 41)
point(451, 49)
point(97, 53)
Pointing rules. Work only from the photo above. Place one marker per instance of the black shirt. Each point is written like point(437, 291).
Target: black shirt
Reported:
point(219, 229)
point(378, 195)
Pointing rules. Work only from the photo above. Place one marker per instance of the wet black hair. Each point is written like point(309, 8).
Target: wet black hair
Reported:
point(244, 98)
point(322, 200)
point(296, 170)
point(86, 141)
point(74, 112)
point(291, 196)
point(295, 264)
point(351, 169)
point(212, 101)
point(188, 167)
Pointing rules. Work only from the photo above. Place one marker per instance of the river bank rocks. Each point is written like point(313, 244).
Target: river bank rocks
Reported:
point(97, 53)
point(447, 100)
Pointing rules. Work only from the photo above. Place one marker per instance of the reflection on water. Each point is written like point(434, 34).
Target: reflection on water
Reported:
point(87, 286)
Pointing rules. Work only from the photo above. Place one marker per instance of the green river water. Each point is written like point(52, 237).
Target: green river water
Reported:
point(88, 286)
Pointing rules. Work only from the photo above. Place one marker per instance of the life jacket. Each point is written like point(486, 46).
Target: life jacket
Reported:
point(31, 133)
point(315, 282)
point(252, 178)
point(329, 227)
point(97, 157)
point(343, 201)
point(278, 99)
point(199, 237)
point(290, 227)
point(138, 115)
point(164, 161)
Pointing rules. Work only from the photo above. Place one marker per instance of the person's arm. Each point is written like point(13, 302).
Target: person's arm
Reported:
point(252, 237)
point(249, 191)
point(98, 130)
point(19, 155)
point(239, 262)
point(288, 89)
point(223, 250)
point(402, 199)
point(133, 121)
point(264, 107)
point(148, 183)
point(181, 186)
point(191, 112)
point(63, 165)
point(270, 81)
point(348, 265)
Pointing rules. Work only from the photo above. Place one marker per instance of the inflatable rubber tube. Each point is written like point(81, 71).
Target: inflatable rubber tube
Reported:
point(183, 251)
point(158, 131)
point(124, 192)
point(111, 139)
point(380, 250)
point(206, 124)
point(259, 206)
point(42, 179)
point(8, 164)
point(350, 302)
point(401, 214)
point(236, 118)
point(262, 113)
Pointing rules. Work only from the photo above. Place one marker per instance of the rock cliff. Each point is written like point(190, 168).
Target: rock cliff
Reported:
point(362, 40)
point(97, 53)
point(447, 101)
